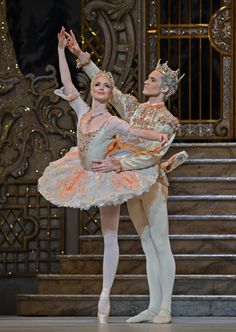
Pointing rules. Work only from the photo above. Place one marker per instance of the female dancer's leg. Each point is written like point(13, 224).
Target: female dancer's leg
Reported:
point(109, 224)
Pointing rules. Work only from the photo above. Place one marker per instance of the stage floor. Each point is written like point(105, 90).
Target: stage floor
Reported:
point(117, 324)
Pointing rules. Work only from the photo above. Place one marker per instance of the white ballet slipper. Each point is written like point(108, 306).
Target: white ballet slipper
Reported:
point(144, 316)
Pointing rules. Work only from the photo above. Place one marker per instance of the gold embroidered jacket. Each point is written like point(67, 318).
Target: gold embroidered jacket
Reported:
point(142, 115)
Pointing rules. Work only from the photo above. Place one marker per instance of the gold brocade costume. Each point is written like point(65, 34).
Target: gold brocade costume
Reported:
point(146, 116)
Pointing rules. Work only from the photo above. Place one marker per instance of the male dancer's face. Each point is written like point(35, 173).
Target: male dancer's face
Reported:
point(152, 86)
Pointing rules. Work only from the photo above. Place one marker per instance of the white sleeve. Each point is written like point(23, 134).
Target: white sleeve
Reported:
point(119, 126)
point(75, 101)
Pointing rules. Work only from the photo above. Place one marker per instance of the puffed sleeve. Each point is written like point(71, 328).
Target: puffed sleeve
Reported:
point(143, 161)
point(91, 69)
point(124, 129)
point(125, 104)
point(119, 126)
point(74, 99)
point(138, 162)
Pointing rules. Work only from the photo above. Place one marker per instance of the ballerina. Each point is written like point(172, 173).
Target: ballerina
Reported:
point(70, 181)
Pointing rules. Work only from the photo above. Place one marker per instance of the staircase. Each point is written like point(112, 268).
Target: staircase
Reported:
point(202, 215)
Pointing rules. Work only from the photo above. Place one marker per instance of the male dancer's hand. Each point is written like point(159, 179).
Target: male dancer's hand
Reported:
point(103, 166)
point(73, 47)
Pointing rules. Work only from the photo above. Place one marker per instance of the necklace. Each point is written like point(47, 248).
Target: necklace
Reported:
point(95, 115)
point(89, 120)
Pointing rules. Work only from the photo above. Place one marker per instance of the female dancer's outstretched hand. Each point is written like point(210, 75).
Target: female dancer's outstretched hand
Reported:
point(62, 41)
point(73, 46)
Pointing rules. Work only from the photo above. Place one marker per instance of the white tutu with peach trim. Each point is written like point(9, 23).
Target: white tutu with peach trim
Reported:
point(66, 183)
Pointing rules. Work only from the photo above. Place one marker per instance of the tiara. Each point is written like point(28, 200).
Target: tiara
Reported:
point(107, 74)
point(172, 76)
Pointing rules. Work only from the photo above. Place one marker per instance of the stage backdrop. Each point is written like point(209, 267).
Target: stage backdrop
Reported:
point(125, 37)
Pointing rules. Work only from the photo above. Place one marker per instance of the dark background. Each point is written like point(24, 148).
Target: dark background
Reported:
point(33, 26)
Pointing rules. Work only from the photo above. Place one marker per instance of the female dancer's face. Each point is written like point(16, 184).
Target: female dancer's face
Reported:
point(101, 89)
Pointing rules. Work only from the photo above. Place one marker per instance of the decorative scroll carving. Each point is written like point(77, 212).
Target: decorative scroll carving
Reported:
point(220, 30)
point(115, 9)
point(15, 111)
point(116, 24)
point(7, 85)
point(32, 127)
point(182, 31)
point(46, 103)
point(29, 113)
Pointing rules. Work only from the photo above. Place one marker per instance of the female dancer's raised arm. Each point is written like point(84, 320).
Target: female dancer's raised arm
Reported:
point(63, 66)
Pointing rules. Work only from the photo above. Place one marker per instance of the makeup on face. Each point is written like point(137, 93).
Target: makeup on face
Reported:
point(101, 88)
point(152, 86)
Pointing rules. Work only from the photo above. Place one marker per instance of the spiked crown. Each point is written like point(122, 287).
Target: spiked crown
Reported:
point(171, 77)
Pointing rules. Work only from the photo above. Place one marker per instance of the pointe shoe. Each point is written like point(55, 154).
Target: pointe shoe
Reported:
point(103, 308)
point(164, 317)
point(103, 318)
point(144, 316)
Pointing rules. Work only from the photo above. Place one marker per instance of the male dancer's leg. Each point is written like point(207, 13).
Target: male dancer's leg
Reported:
point(139, 219)
point(109, 224)
point(155, 206)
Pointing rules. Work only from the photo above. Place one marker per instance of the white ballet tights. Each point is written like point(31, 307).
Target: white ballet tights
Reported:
point(153, 271)
point(149, 215)
point(109, 225)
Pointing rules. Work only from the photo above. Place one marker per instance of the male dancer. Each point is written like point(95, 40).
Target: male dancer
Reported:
point(149, 211)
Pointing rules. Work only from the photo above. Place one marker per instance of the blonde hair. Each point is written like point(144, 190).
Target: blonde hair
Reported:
point(106, 74)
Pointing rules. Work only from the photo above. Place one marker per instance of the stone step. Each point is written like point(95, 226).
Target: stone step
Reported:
point(193, 185)
point(207, 167)
point(135, 284)
point(123, 305)
point(201, 150)
point(201, 204)
point(135, 264)
point(197, 204)
point(180, 244)
point(189, 223)
point(200, 224)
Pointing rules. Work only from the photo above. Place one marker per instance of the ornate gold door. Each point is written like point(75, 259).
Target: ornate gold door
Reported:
point(196, 36)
